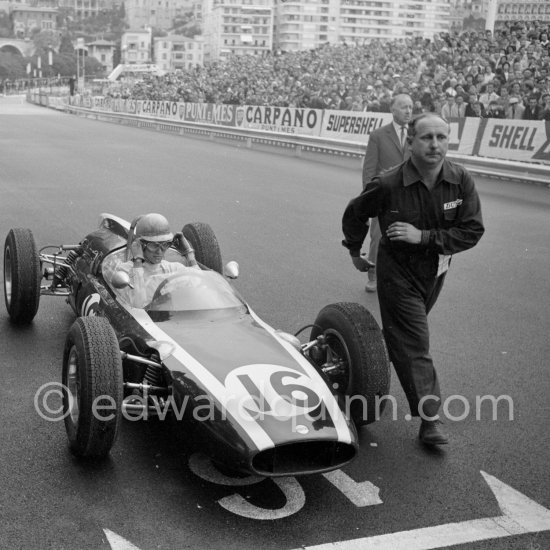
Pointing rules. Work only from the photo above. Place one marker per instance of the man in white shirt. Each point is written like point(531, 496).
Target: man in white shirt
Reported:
point(489, 95)
point(449, 109)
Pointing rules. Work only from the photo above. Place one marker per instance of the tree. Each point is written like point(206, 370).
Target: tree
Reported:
point(66, 44)
point(45, 40)
point(12, 66)
point(92, 67)
point(5, 25)
point(64, 64)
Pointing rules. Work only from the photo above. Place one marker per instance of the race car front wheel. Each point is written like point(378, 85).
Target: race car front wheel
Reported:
point(205, 244)
point(21, 276)
point(354, 359)
point(92, 387)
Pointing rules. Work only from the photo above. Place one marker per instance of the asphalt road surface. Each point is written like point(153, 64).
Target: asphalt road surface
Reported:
point(279, 217)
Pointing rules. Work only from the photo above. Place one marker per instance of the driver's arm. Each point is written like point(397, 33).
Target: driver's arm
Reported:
point(186, 250)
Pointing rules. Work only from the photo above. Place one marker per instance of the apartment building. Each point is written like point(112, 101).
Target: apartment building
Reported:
point(28, 19)
point(81, 9)
point(135, 47)
point(522, 10)
point(304, 24)
point(159, 14)
point(174, 52)
point(103, 51)
point(236, 27)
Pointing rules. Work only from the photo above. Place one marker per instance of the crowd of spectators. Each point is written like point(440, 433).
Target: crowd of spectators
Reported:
point(505, 74)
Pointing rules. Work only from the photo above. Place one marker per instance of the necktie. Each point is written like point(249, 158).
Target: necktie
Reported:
point(403, 134)
point(513, 111)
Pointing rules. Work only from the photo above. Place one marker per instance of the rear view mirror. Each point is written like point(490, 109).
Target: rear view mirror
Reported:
point(121, 280)
point(231, 270)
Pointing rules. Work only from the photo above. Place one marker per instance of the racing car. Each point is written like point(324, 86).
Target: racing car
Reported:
point(267, 403)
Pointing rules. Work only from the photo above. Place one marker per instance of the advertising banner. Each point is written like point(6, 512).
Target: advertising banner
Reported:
point(518, 140)
point(285, 120)
point(464, 135)
point(208, 113)
point(352, 125)
point(523, 140)
point(157, 109)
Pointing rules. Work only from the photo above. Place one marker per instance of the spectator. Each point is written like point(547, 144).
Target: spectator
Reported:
point(489, 95)
point(545, 114)
point(421, 67)
point(495, 110)
point(533, 111)
point(515, 109)
point(449, 109)
point(460, 106)
point(470, 111)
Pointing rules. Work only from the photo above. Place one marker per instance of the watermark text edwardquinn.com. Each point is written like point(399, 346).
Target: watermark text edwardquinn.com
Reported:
point(48, 403)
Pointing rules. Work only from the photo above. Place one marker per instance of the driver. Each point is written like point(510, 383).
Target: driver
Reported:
point(147, 267)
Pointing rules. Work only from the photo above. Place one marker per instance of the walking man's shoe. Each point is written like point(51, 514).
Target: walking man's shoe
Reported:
point(431, 434)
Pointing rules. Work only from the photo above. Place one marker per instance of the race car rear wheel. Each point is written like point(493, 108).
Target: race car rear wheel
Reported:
point(355, 359)
point(204, 242)
point(21, 276)
point(92, 387)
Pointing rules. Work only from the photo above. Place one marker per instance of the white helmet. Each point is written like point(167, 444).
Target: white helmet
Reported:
point(153, 227)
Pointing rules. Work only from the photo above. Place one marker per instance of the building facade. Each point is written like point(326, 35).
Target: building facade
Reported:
point(85, 8)
point(135, 47)
point(243, 26)
point(236, 27)
point(173, 53)
point(522, 10)
point(304, 24)
point(27, 19)
point(103, 51)
point(159, 14)
point(473, 14)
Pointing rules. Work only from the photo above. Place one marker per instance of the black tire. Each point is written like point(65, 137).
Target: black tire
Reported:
point(92, 373)
point(355, 339)
point(22, 276)
point(204, 242)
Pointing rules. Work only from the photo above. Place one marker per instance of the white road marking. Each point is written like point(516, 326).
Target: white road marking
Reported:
point(295, 500)
point(117, 542)
point(520, 515)
point(361, 494)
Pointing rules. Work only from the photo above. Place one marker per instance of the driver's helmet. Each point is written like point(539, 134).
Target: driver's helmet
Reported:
point(153, 228)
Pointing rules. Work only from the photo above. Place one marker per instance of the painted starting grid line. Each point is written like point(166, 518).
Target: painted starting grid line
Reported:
point(520, 516)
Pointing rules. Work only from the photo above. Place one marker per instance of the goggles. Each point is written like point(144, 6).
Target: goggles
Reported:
point(154, 247)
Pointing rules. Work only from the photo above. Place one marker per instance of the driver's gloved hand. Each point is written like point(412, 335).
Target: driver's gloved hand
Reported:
point(184, 248)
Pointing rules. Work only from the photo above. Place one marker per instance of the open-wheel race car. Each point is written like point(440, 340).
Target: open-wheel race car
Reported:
point(267, 403)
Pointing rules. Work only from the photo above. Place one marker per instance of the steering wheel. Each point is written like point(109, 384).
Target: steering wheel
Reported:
point(158, 291)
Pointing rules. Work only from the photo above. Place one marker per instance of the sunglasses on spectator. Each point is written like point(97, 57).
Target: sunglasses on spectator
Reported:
point(154, 247)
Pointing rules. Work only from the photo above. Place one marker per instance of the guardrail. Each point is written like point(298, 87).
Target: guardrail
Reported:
point(301, 145)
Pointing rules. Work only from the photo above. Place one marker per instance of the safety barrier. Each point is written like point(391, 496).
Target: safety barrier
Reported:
point(242, 126)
